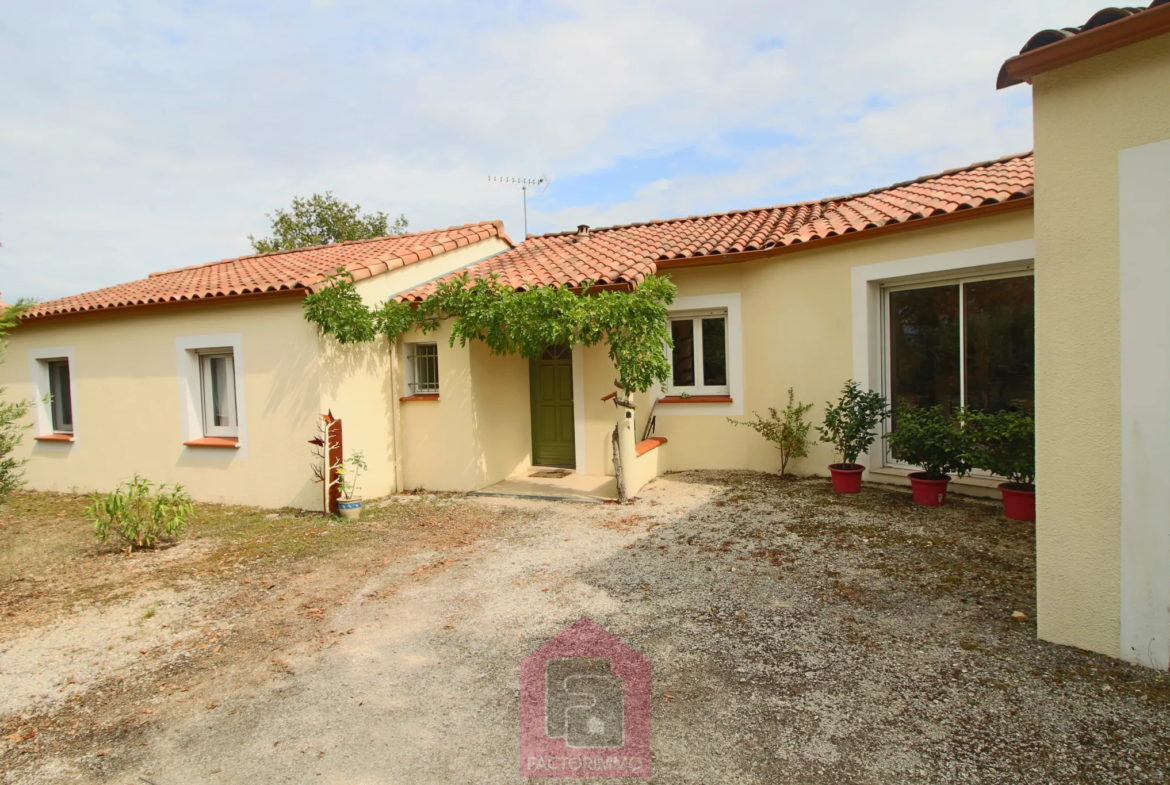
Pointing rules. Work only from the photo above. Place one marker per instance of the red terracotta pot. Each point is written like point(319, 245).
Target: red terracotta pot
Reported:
point(1019, 504)
point(846, 477)
point(931, 493)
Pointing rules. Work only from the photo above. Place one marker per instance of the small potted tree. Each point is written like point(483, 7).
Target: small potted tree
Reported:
point(350, 505)
point(1004, 443)
point(933, 439)
point(849, 427)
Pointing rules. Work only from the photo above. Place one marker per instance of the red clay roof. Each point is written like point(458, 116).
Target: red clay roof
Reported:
point(628, 254)
point(302, 268)
point(1106, 30)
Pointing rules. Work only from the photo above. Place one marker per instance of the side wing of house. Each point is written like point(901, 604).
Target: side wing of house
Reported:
point(1102, 128)
point(813, 319)
point(209, 376)
point(135, 384)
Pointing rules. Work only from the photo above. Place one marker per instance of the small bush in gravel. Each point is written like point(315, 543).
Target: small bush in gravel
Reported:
point(139, 513)
point(787, 430)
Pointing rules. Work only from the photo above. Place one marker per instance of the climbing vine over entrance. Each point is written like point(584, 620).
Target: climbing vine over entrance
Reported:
point(632, 324)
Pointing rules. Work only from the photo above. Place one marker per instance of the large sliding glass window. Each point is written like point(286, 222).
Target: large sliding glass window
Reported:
point(961, 343)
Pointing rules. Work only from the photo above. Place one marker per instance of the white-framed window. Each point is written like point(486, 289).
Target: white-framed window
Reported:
point(212, 409)
point(51, 373)
point(422, 368)
point(699, 358)
point(60, 395)
point(959, 341)
point(871, 283)
point(217, 382)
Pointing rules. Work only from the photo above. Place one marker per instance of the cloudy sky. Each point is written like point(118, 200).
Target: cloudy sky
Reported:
point(139, 136)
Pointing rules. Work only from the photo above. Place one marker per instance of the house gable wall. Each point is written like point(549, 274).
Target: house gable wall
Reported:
point(379, 288)
point(1086, 114)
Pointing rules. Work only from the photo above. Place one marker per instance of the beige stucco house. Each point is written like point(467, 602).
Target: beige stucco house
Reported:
point(954, 288)
point(794, 295)
point(209, 375)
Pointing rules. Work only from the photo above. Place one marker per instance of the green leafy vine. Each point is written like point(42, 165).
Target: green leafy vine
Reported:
point(632, 324)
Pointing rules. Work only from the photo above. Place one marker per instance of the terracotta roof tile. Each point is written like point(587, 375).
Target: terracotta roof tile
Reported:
point(628, 254)
point(1102, 17)
point(301, 268)
point(1104, 31)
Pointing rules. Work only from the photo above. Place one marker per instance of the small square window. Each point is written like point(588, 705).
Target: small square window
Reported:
point(699, 357)
point(217, 379)
point(60, 396)
point(422, 368)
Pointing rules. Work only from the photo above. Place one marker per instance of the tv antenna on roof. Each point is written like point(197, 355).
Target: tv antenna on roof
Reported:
point(523, 184)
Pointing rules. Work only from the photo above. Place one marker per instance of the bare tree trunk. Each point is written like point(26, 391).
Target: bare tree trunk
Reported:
point(617, 466)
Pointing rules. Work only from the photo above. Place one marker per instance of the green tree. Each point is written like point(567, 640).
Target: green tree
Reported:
point(322, 219)
point(11, 412)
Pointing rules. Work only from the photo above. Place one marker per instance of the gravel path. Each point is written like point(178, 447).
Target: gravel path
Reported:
point(795, 636)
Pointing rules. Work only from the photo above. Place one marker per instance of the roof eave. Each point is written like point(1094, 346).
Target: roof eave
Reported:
point(168, 304)
point(1132, 29)
point(999, 208)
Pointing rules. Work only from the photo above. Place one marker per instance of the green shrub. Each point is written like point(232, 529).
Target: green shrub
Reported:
point(11, 431)
point(140, 513)
point(931, 438)
point(788, 431)
point(1003, 443)
point(849, 424)
point(11, 412)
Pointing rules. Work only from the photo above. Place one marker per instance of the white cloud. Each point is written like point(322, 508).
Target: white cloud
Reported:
point(151, 136)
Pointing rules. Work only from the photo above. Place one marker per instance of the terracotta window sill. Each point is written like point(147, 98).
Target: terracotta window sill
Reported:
point(54, 437)
point(696, 399)
point(214, 441)
point(427, 397)
point(654, 442)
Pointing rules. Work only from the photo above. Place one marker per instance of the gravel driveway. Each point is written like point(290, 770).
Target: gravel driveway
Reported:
point(795, 636)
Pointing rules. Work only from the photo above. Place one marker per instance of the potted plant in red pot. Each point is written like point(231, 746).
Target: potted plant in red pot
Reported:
point(1004, 443)
point(849, 427)
point(933, 439)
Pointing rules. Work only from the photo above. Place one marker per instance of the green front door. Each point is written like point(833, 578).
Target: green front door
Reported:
point(552, 408)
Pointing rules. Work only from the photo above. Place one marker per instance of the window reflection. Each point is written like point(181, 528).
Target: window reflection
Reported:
point(1000, 346)
point(682, 333)
point(714, 351)
point(924, 347)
